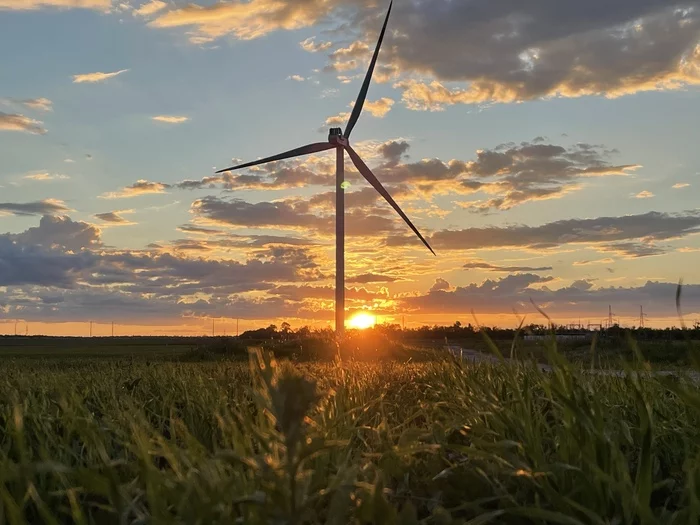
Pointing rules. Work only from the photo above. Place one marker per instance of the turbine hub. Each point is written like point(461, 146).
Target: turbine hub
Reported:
point(335, 136)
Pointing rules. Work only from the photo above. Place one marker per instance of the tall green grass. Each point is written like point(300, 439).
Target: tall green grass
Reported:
point(131, 441)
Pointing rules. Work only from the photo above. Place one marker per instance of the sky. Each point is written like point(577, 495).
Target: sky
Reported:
point(546, 149)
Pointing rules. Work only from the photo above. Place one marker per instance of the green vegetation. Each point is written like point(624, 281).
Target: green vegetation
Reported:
point(205, 436)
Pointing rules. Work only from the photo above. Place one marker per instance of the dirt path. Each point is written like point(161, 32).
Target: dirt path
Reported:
point(474, 356)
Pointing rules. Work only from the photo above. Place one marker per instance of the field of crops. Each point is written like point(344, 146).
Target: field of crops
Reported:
point(124, 440)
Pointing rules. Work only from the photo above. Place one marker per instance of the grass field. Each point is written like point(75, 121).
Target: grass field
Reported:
point(166, 438)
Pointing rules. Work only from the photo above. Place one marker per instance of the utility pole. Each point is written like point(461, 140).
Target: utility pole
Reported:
point(403, 322)
point(15, 328)
point(237, 327)
point(90, 328)
point(112, 328)
point(212, 327)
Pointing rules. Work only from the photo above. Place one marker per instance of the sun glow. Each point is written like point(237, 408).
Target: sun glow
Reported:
point(362, 321)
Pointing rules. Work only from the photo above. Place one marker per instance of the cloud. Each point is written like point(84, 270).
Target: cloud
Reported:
point(368, 278)
point(512, 52)
point(511, 174)
point(36, 104)
point(507, 51)
point(115, 217)
point(293, 214)
point(607, 260)
point(579, 298)
point(280, 214)
point(66, 257)
point(481, 265)
point(393, 150)
point(140, 187)
point(296, 78)
point(338, 120)
point(245, 20)
point(17, 122)
point(29, 264)
point(96, 77)
point(45, 176)
point(45, 207)
point(170, 119)
point(680, 185)
point(644, 195)
point(26, 5)
point(150, 8)
point(600, 233)
point(60, 233)
point(440, 284)
point(311, 46)
point(378, 108)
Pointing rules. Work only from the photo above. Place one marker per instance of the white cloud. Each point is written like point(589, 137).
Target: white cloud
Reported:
point(96, 77)
point(45, 176)
point(297, 78)
point(39, 104)
point(312, 47)
point(170, 119)
point(644, 195)
point(680, 185)
point(150, 8)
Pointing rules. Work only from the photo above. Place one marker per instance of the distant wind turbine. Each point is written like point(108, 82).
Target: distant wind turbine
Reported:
point(341, 142)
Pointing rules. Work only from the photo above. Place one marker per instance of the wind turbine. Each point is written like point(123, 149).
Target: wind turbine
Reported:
point(341, 143)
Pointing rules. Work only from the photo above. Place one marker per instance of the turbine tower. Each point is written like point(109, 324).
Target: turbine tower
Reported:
point(341, 143)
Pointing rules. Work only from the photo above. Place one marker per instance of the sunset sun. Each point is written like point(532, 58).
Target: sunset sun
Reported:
point(362, 321)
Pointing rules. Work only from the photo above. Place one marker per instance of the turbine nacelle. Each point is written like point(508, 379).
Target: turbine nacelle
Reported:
point(335, 136)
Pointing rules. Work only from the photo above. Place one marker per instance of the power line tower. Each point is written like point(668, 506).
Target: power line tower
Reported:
point(642, 316)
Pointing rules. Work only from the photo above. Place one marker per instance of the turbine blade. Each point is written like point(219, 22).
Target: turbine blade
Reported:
point(367, 174)
point(357, 109)
point(304, 150)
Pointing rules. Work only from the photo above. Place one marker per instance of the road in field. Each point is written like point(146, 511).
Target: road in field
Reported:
point(474, 356)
